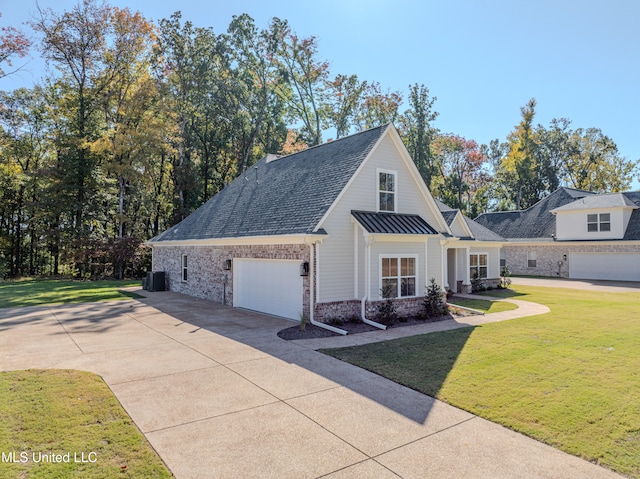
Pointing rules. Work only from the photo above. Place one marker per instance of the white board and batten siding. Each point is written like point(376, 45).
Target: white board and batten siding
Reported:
point(608, 266)
point(268, 286)
point(336, 268)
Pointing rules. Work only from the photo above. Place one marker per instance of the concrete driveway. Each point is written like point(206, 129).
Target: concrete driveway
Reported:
point(218, 394)
point(584, 284)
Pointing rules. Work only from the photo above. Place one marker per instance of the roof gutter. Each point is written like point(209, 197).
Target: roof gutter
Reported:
point(363, 302)
point(312, 290)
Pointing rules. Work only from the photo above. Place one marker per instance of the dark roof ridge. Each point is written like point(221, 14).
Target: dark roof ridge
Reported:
point(500, 212)
point(559, 188)
point(283, 157)
point(556, 191)
point(575, 189)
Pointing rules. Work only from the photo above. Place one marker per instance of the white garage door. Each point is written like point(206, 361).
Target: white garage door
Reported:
point(269, 286)
point(616, 266)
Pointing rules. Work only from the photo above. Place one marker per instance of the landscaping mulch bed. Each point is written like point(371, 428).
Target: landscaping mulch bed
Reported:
point(356, 327)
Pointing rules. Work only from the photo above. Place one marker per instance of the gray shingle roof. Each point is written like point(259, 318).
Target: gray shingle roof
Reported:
point(449, 215)
point(598, 201)
point(443, 207)
point(278, 196)
point(534, 222)
point(479, 232)
point(393, 223)
point(633, 228)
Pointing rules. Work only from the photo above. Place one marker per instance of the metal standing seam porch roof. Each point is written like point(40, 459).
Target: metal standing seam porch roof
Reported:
point(393, 223)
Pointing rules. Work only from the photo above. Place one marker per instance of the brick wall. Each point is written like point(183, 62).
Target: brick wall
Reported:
point(207, 277)
point(343, 310)
point(346, 310)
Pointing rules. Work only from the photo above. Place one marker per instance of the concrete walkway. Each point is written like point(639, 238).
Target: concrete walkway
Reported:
point(218, 394)
point(525, 308)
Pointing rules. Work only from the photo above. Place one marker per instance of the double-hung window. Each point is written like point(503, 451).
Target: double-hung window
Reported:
point(478, 265)
point(387, 191)
point(599, 222)
point(398, 277)
point(184, 267)
point(532, 259)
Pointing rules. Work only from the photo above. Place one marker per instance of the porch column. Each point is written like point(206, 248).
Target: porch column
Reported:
point(467, 273)
point(445, 268)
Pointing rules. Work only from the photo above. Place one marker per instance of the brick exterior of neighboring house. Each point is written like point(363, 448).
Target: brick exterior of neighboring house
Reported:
point(549, 255)
point(206, 272)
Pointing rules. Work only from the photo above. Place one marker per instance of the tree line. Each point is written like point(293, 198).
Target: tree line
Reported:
point(140, 123)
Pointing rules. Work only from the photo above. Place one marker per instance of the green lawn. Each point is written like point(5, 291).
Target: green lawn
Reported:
point(483, 305)
point(75, 413)
point(569, 378)
point(33, 293)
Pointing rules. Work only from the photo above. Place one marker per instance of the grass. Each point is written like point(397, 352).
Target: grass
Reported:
point(63, 411)
point(33, 293)
point(484, 305)
point(569, 378)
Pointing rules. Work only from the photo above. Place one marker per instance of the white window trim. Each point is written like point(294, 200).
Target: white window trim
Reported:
point(478, 255)
point(184, 268)
point(398, 257)
point(395, 193)
point(598, 222)
point(535, 253)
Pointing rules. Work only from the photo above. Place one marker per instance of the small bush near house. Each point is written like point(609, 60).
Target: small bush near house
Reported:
point(387, 312)
point(505, 277)
point(433, 304)
point(336, 322)
point(476, 284)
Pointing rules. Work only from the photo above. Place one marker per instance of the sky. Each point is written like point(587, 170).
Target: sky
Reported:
point(482, 59)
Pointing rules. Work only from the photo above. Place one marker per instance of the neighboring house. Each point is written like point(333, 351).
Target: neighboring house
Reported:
point(572, 234)
point(320, 232)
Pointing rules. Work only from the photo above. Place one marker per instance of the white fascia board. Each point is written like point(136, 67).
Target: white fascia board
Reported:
point(606, 209)
point(351, 180)
point(486, 244)
point(243, 240)
point(431, 204)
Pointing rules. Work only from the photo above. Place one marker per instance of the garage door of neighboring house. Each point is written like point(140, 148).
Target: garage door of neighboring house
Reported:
point(269, 286)
point(615, 266)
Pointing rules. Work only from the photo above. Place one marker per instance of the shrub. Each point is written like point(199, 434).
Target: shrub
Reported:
point(433, 304)
point(387, 312)
point(336, 322)
point(505, 277)
point(477, 284)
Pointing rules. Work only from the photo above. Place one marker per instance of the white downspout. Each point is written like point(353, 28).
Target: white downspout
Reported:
point(312, 296)
point(367, 274)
